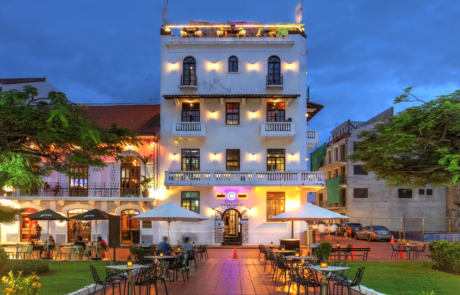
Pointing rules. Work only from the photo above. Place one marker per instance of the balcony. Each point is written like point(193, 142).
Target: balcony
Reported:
point(275, 81)
point(342, 204)
point(312, 139)
point(189, 130)
point(315, 180)
point(189, 81)
point(93, 191)
point(278, 130)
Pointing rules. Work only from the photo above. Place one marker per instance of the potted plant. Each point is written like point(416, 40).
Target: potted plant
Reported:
point(146, 184)
point(323, 251)
point(241, 32)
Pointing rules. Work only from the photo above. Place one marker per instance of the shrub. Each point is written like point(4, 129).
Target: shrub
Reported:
point(3, 259)
point(26, 267)
point(21, 286)
point(139, 253)
point(445, 255)
point(324, 250)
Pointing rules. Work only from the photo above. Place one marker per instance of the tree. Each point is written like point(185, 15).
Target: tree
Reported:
point(7, 214)
point(54, 132)
point(416, 147)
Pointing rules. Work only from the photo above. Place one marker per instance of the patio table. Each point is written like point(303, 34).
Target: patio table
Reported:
point(284, 252)
point(324, 272)
point(298, 257)
point(129, 270)
point(408, 249)
point(72, 251)
point(160, 257)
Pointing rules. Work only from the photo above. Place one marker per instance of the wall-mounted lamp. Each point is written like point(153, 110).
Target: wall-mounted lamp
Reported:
point(306, 159)
point(253, 66)
point(253, 113)
point(174, 156)
point(306, 72)
point(152, 143)
point(292, 156)
point(290, 66)
point(190, 102)
point(215, 156)
point(213, 115)
point(253, 156)
point(129, 147)
point(249, 211)
point(173, 65)
point(213, 65)
point(307, 115)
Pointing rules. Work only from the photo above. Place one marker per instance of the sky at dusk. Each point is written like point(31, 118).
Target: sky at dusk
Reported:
point(361, 52)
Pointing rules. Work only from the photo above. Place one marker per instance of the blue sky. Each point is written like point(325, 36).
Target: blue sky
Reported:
point(361, 52)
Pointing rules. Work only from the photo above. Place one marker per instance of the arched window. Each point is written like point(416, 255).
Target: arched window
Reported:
point(130, 177)
point(189, 74)
point(233, 64)
point(77, 228)
point(130, 228)
point(274, 71)
point(78, 181)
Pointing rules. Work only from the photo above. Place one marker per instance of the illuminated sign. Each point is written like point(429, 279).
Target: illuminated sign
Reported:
point(231, 196)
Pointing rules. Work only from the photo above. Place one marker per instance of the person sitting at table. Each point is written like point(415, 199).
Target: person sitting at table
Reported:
point(36, 246)
point(80, 242)
point(46, 187)
point(50, 244)
point(187, 247)
point(164, 246)
point(101, 244)
point(56, 189)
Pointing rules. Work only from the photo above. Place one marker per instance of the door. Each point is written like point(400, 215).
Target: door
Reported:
point(130, 177)
point(130, 228)
point(28, 227)
point(77, 228)
point(232, 227)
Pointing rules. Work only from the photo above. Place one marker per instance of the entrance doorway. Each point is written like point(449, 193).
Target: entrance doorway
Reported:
point(78, 227)
point(232, 227)
point(130, 228)
point(130, 177)
point(28, 227)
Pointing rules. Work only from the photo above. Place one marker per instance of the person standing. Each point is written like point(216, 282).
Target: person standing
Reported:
point(38, 228)
point(75, 228)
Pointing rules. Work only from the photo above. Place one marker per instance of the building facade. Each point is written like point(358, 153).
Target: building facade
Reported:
point(234, 133)
point(369, 201)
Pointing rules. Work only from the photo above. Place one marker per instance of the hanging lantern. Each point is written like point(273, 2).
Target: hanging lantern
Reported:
point(271, 244)
point(129, 262)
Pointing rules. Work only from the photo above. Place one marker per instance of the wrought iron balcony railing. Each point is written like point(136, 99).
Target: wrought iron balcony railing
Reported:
point(275, 80)
point(189, 80)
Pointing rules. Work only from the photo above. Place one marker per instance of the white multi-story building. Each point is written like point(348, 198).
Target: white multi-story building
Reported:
point(233, 138)
point(232, 146)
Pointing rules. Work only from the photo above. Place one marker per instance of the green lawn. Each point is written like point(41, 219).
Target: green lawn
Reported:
point(67, 277)
point(406, 277)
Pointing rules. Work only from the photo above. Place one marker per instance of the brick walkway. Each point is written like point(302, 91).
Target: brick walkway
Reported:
point(227, 277)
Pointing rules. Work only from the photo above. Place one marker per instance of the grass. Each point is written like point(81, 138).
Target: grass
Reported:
point(67, 277)
point(406, 277)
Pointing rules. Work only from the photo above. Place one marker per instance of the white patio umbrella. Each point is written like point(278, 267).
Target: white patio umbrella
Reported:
point(308, 212)
point(170, 212)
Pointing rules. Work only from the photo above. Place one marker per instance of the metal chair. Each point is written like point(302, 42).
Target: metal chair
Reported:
point(116, 274)
point(269, 257)
point(419, 252)
point(191, 256)
point(262, 250)
point(158, 275)
point(348, 284)
point(338, 275)
point(104, 283)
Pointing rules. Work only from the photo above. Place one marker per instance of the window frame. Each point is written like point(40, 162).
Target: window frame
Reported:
point(191, 71)
point(275, 195)
point(274, 117)
point(191, 199)
point(421, 191)
point(227, 120)
point(195, 113)
point(269, 168)
point(227, 160)
point(78, 186)
point(233, 64)
point(429, 191)
point(190, 157)
point(357, 195)
point(357, 171)
point(274, 70)
point(401, 193)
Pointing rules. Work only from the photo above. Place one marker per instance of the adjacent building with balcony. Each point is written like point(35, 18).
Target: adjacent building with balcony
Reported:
point(234, 135)
point(352, 191)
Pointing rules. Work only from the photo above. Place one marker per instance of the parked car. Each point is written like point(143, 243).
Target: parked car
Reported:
point(373, 232)
point(344, 226)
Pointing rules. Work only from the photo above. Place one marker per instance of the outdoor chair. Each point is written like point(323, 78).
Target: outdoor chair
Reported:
point(178, 265)
point(269, 257)
point(337, 275)
point(262, 250)
point(106, 251)
point(116, 274)
point(85, 253)
point(202, 250)
point(158, 275)
point(29, 252)
point(400, 248)
point(418, 252)
point(310, 281)
point(294, 278)
point(59, 253)
point(9, 254)
point(348, 284)
point(107, 282)
point(280, 265)
point(191, 256)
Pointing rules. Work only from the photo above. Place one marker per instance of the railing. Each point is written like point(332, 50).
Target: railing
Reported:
point(95, 189)
point(342, 204)
point(244, 178)
point(277, 126)
point(189, 129)
point(313, 135)
point(275, 80)
point(189, 80)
